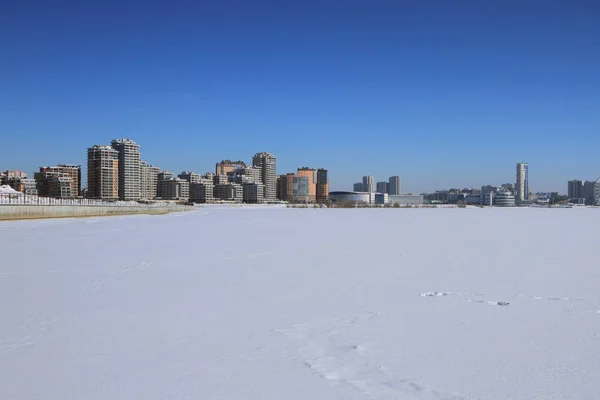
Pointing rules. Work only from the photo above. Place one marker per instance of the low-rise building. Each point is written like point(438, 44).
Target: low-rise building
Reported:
point(67, 171)
point(202, 192)
point(229, 192)
point(504, 198)
point(54, 184)
point(382, 198)
point(343, 197)
point(254, 193)
point(173, 189)
point(29, 186)
point(473, 199)
point(406, 199)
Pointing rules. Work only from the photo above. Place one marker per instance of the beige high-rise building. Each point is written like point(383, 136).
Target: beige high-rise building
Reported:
point(129, 169)
point(148, 180)
point(310, 173)
point(103, 173)
point(267, 163)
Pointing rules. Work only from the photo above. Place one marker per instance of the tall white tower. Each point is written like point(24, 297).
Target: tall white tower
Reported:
point(522, 182)
point(368, 183)
point(130, 187)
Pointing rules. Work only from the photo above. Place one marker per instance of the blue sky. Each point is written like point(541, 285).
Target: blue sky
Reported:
point(443, 93)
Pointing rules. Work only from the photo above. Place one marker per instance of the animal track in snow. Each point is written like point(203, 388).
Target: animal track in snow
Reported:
point(492, 303)
point(97, 284)
point(552, 298)
point(327, 353)
point(440, 294)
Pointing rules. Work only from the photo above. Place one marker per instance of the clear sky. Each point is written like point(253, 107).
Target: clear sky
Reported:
point(443, 93)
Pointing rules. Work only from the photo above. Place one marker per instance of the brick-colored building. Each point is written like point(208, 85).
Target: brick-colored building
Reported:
point(294, 188)
point(46, 176)
point(312, 184)
point(227, 166)
point(103, 173)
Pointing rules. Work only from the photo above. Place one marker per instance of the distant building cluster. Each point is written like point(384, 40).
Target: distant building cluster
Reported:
point(584, 192)
point(59, 181)
point(118, 172)
point(391, 187)
point(380, 193)
point(506, 195)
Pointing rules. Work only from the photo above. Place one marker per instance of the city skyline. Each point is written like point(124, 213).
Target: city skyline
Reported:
point(423, 90)
point(83, 184)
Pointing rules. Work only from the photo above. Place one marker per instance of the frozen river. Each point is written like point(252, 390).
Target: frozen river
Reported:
point(276, 303)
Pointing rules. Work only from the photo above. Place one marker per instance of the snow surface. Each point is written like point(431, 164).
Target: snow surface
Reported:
point(5, 189)
point(276, 303)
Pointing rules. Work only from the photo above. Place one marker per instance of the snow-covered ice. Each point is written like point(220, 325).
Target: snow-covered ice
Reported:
point(276, 303)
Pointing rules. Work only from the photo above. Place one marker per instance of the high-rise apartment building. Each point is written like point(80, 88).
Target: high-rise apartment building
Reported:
point(522, 182)
point(368, 184)
point(103, 173)
point(357, 187)
point(129, 169)
point(73, 172)
point(227, 166)
point(576, 189)
point(322, 186)
point(588, 192)
point(582, 192)
point(310, 173)
point(381, 187)
point(148, 181)
point(267, 163)
point(394, 186)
